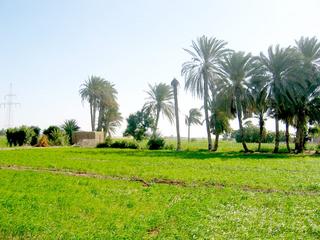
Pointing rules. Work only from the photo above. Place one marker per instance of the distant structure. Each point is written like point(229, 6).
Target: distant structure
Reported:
point(88, 139)
point(8, 105)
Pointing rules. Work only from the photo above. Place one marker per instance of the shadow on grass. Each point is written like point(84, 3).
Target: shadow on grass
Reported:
point(194, 154)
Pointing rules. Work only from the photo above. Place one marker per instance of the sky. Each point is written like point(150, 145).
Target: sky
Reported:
point(49, 48)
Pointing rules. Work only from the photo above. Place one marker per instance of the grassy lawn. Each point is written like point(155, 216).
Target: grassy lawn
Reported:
point(78, 193)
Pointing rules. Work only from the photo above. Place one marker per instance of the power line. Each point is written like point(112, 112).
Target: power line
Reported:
point(8, 105)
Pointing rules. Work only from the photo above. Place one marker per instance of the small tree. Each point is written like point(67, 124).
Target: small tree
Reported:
point(138, 124)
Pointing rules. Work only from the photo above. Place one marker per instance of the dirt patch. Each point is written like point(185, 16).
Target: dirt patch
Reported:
point(172, 182)
point(169, 182)
point(153, 232)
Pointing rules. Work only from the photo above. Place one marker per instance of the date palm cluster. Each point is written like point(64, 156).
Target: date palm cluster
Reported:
point(283, 84)
point(104, 108)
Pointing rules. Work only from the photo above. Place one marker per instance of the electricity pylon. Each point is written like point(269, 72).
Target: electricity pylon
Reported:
point(8, 105)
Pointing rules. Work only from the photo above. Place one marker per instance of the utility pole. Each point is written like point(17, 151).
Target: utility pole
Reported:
point(8, 105)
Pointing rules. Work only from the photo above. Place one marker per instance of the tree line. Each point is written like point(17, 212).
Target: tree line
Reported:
point(283, 84)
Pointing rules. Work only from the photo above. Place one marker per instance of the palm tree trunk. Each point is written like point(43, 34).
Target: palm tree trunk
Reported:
point(157, 120)
point(300, 134)
point(206, 113)
point(239, 113)
point(216, 142)
point(91, 116)
point(94, 116)
point(277, 141)
point(188, 133)
point(176, 110)
point(287, 136)
point(100, 118)
point(261, 125)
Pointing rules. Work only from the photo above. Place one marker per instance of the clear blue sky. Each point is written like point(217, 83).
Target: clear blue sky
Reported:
point(48, 48)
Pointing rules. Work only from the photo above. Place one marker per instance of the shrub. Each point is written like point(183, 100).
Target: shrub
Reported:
point(49, 132)
point(169, 147)
point(22, 135)
point(43, 141)
point(252, 135)
point(35, 137)
point(106, 144)
point(125, 144)
point(156, 142)
point(118, 144)
point(58, 138)
point(102, 145)
point(138, 125)
point(108, 141)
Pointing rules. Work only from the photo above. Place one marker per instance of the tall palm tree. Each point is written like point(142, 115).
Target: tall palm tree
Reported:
point(236, 71)
point(175, 84)
point(193, 118)
point(306, 97)
point(279, 64)
point(206, 54)
point(89, 91)
point(160, 101)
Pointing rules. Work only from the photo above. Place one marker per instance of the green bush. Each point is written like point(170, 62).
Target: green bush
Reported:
point(35, 137)
point(102, 145)
point(124, 144)
point(169, 147)
point(156, 142)
point(252, 135)
point(118, 144)
point(22, 136)
point(49, 131)
point(58, 138)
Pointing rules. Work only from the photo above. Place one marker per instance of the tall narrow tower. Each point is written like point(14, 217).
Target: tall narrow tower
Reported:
point(8, 106)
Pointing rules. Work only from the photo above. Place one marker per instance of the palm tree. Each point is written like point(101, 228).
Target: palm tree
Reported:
point(193, 118)
point(305, 94)
point(286, 113)
point(175, 85)
point(89, 91)
point(259, 101)
point(159, 101)
point(219, 119)
point(310, 49)
point(107, 102)
point(70, 126)
point(236, 71)
point(111, 120)
point(279, 65)
point(206, 54)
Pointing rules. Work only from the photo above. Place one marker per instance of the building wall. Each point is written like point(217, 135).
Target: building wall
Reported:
point(88, 139)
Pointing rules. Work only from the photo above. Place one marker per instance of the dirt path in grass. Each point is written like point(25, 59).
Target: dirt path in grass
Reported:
point(145, 183)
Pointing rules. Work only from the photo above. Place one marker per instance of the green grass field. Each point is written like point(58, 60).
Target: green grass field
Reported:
point(79, 193)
